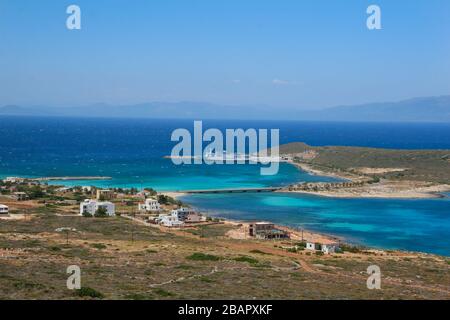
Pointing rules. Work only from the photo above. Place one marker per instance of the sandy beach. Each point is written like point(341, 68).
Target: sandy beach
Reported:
point(391, 190)
point(173, 194)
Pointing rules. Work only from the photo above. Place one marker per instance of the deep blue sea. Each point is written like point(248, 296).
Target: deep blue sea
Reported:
point(131, 152)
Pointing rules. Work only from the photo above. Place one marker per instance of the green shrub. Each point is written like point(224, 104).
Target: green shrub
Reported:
point(163, 293)
point(89, 292)
point(374, 180)
point(246, 259)
point(259, 252)
point(198, 256)
point(206, 279)
point(23, 284)
point(98, 246)
point(101, 213)
point(87, 215)
point(163, 199)
point(184, 267)
point(301, 244)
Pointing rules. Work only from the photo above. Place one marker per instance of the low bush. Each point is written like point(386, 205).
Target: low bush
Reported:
point(89, 292)
point(246, 259)
point(198, 256)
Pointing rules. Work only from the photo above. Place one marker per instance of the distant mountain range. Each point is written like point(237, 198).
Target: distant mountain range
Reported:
point(428, 109)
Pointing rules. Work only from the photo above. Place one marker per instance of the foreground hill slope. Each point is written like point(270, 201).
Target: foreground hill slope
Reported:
point(120, 259)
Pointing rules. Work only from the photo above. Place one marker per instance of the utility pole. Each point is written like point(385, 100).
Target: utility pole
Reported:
point(66, 230)
point(132, 226)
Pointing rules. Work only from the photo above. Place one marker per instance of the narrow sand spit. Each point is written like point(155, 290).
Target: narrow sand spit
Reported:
point(382, 189)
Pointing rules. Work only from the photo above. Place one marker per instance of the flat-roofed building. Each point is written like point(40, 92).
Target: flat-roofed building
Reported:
point(312, 246)
point(266, 230)
point(182, 213)
point(169, 220)
point(150, 204)
point(329, 248)
point(194, 217)
point(4, 209)
point(105, 194)
point(92, 206)
point(20, 196)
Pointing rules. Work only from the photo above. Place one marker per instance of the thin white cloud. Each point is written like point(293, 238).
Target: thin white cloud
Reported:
point(280, 82)
point(236, 81)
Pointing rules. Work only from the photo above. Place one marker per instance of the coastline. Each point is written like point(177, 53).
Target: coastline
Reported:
point(173, 194)
point(68, 178)
point(64, 178)
point(378, 190)
point(296, 234)
point(383, 189)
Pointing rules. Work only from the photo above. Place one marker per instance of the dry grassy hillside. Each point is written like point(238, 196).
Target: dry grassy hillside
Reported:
point(120, 259)
point(417, 165)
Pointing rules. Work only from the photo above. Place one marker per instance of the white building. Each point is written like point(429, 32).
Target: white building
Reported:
point(195, 217)
point(325, 248)
point(150, 205)
point(64, 189)
point(311, 246)
point(86, 188)
point(169, 220)
point(329, 248)
point(179, 217)
point(91, 207)
point(4, 209)
point(20, 196)
point(182, 213)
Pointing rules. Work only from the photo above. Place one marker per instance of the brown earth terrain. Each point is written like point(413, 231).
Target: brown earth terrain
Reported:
point(123, 259)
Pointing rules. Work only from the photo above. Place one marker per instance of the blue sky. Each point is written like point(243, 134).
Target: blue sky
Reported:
point(303, 54)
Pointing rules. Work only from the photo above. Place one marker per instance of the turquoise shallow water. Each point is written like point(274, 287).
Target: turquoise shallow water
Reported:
point(416, 225)
point(131, 152)
point(172, 178)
